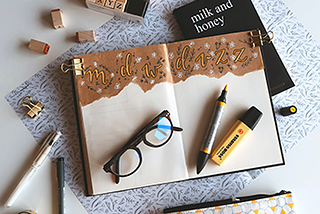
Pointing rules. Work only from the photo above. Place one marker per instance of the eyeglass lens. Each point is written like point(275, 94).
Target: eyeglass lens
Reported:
point(160, 132)
point(156, 135)
point(128, 162)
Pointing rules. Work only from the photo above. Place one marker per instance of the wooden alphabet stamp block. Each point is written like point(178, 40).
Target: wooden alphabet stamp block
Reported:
point(110, 3)
point(85, 36)
point(38, 46)
point(120, 5)
point(100, 2)
point(57, 19)
point(134, 10)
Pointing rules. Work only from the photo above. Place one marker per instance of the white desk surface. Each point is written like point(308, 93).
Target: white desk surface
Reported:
point(22, 20)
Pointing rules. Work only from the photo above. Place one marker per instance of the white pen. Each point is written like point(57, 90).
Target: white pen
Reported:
point(42, 154)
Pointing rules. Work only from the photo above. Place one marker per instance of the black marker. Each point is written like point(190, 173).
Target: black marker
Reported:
point(207, 144)
point(61, 186)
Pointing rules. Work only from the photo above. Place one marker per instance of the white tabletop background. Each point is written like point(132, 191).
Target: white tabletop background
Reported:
point(22, 20)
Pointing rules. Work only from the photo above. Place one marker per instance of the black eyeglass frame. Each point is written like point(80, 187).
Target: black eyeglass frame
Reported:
point(136, 140)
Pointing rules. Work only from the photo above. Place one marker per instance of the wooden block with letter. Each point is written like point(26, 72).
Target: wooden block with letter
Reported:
point(100, 2)
point(120, 5)
point(57, 19)
point(110, 3)
point(38, 46)
point(85, 36)
point(134, 10)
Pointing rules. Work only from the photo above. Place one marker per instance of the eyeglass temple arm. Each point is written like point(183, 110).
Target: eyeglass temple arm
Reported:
point(139, 134)
point(177, 129)
point(136, 137)
point(165, 113)
point(117, 178)
point(174, 128)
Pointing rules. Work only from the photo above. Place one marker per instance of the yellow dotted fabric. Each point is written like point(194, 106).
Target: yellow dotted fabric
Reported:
point(283, 204)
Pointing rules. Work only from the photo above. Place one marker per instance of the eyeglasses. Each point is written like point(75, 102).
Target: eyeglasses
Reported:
point(129, 159)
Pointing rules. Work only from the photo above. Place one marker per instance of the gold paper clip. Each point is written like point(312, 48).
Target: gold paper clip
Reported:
point(75, 64)
point(257, 39)
point(35, 109)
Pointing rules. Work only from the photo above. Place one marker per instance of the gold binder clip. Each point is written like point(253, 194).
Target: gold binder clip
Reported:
point(35, 109)
point(77, 65)
point(257, 39)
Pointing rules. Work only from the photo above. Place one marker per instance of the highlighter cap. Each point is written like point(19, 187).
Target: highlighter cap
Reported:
point(251, 117)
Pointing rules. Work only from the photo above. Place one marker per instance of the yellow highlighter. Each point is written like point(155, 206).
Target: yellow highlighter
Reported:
point(236, 135)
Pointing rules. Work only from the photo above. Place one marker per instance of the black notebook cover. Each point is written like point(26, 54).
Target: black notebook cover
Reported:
point(213, 17)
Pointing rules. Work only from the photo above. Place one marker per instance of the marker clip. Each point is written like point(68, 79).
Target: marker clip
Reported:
point(35, 109)
point(27, 212)
point(257, 39)
point(76, 65)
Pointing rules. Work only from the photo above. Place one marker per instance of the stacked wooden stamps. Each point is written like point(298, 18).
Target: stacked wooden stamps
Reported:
point(132, 9)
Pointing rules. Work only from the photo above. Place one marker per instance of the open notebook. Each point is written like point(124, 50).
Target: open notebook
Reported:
point(119, 92)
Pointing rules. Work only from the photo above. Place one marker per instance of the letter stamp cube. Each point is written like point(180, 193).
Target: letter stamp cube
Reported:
point(57, 19)
point(85, 36)
point(38, 46)
point(120, 5)
point(110, 3)
point(100, 2)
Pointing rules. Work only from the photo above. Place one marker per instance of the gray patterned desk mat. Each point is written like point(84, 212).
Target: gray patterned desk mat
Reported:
point(298, 50)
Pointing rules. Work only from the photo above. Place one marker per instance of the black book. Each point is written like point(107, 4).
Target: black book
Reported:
point(213, 17)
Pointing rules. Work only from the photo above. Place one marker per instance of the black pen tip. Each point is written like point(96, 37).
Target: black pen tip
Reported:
point(199, 168)
point(202, 160)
